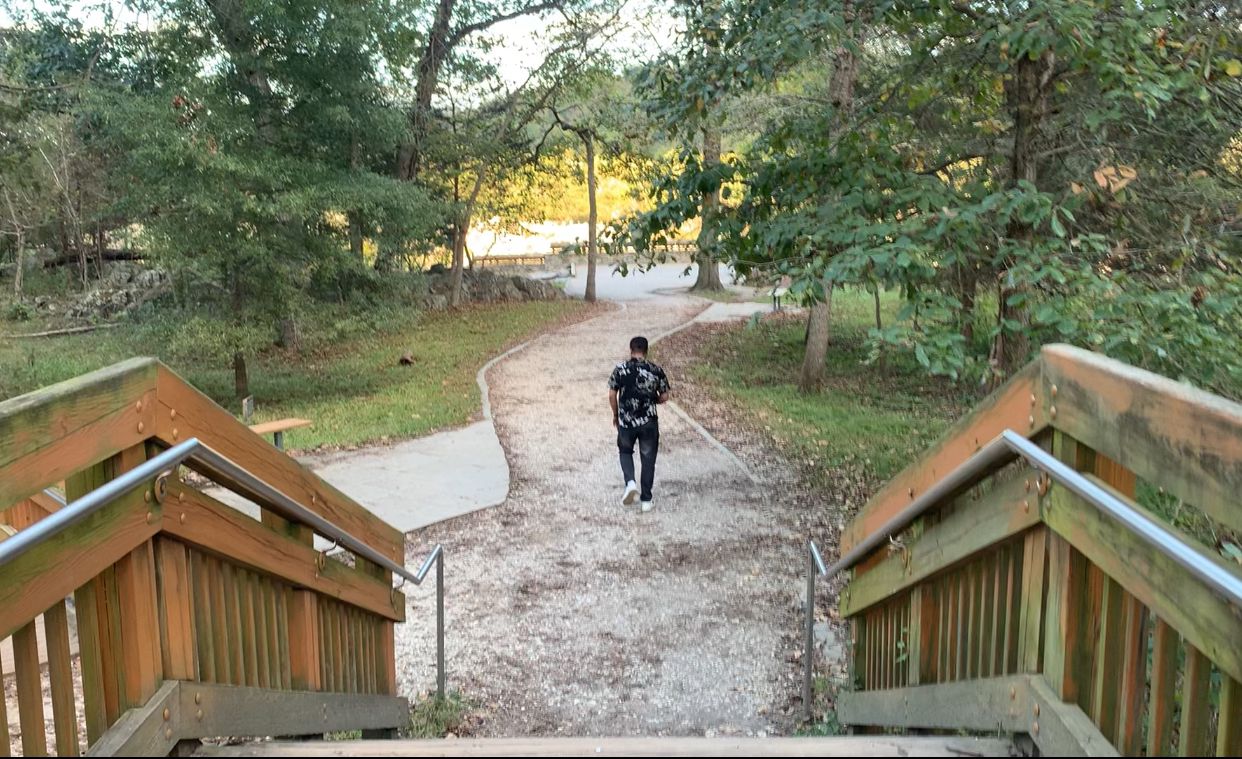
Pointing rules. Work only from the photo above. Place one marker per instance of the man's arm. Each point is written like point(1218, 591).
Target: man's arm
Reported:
point(612, 401)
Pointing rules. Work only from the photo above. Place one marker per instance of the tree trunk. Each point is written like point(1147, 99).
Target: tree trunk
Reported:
point(708, 278)
point(812, 376)
point(878, 323)
point(841, 94)
point(355, 236)
point(20, 269)
point(289, 337)
point(409, 155)
point(241, 380)
point(20, 231)
point(460, 228)
point(592, 218)
point(1028, 103)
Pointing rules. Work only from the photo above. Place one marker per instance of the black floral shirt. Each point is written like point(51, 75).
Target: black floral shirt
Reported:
point(639, 385)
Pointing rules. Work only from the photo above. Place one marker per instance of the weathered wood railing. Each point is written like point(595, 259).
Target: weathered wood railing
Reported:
point(1013, 605)
point(193, 619)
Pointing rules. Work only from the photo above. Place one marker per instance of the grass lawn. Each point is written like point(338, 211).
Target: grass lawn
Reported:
point(871, 420)
point(346, 378)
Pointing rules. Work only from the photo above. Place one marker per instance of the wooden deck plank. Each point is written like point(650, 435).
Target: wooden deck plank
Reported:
point(840, 746)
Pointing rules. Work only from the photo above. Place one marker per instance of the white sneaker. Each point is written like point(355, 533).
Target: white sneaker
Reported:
point(647, 506)
point(631, 493)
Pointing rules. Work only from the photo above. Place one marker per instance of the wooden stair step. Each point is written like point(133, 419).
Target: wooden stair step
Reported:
point(834, 746)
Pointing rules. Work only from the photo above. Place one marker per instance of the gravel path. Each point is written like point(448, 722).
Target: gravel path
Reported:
point(569, 614)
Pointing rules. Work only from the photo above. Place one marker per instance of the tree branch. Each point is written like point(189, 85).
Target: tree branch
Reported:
point(465, 31)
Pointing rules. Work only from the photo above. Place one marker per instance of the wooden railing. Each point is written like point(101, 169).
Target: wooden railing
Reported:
point(193, 619)
point(1015, 606)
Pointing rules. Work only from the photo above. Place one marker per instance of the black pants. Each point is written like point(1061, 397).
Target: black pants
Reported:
point(648, 439)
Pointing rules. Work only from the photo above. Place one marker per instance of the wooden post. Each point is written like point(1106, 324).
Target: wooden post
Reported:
point(179, 655)
point(135, 575)
point(304, 640)
point(1067, 641)
point(100, 682)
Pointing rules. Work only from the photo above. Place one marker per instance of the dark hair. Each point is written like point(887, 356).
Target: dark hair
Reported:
point(639, 345)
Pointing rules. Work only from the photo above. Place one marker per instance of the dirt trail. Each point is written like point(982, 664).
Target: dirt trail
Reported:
point(570, 614)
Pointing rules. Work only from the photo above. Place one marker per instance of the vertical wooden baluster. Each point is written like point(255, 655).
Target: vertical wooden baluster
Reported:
point(1163, 690)
point(979, 611)
point(4, 715)
point(1013, 610)
point(1031, 601)
point(376, 662)
point(360, 653)
point(916, 634)
point(863, 656)
point(329, 623)
point(991, 666)
point(864, 648)
point(873, 625)
point(890, 646)
point(1109, 643)
point(139, 625)
point(388, 683)
point(284, 598)
point(306, 650)
point(923, 666)
point(1065, 626)
point(325, 668)
point(60, 676)
point(1229, 732)
point(220, 624)
point(987, 611)
point(961, 630)
point(179, 654)
point(269, 666)
point(203, 621)
point(135, 617)
point(232, 610)
point(347, 647)
point(342, 631)
point(251, 642)
point(894, 666)
point(1133, 677)
point(910, 671)
point(1196, 739)
point(364, 650)
point(29, 691)
point(942, 633)
point(100, 689)
point(260, 590)
point(338, 646)
point(329, 645)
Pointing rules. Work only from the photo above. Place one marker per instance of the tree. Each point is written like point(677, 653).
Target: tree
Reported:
point(990, 155)
point(600, 111)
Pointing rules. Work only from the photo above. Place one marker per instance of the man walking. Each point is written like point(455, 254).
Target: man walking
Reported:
point(636, 387)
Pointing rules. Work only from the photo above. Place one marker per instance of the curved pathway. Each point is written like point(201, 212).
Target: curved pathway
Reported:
point(570, 614)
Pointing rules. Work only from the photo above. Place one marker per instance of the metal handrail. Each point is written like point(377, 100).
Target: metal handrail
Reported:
point(815, 568)
point(1009, 445)
point(212, 464)
point(1006, 447)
